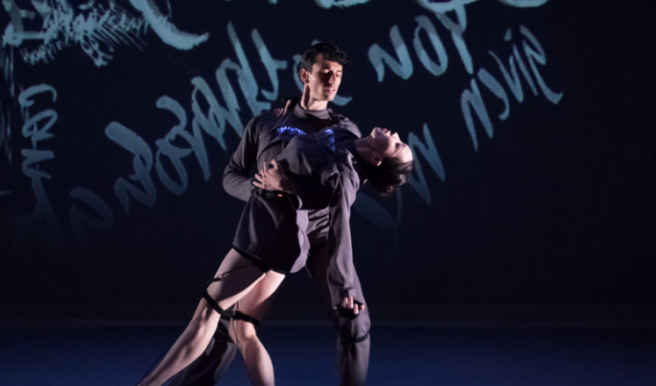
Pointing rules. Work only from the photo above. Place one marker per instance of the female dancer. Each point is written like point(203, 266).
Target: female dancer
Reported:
point(311, 173)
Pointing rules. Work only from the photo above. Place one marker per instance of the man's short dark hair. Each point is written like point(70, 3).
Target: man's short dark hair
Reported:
point(330, 52)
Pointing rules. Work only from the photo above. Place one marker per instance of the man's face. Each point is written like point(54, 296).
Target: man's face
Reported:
point(324, 80)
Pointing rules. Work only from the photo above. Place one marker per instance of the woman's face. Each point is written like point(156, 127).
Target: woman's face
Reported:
point(389, 144)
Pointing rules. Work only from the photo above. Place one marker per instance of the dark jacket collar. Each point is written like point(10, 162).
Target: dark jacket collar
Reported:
point(311, 114)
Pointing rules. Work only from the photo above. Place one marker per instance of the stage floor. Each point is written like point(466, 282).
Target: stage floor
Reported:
point(306, 356)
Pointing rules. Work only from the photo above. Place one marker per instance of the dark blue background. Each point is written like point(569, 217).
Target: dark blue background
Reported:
point(557, 207)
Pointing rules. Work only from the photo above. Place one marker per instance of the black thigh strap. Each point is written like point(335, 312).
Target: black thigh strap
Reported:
point(357, 339)
point(246, 318)
point(362, 338)
point(210, 300)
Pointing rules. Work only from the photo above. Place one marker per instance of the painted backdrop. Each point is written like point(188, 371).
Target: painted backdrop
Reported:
point(531, 120)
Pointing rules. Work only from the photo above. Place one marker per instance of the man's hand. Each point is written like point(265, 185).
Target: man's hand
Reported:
point(350, 308)
point(272, 177)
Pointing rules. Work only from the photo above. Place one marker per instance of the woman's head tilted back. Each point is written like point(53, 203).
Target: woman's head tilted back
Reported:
point(389, 161)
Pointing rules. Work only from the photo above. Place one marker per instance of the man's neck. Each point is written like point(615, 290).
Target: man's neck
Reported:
point(309, 103)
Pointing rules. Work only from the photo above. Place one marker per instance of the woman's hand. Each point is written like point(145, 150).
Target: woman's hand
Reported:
point(283, 110)
point(272, 177)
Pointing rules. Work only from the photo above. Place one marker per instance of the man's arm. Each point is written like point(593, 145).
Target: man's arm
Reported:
point(236, 177)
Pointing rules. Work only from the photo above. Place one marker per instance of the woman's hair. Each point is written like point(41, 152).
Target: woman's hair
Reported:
point(389, 175)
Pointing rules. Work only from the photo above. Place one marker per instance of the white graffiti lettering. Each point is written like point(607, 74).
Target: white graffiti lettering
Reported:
point(437, 69)
point(167, 31)
point(429, 152)
point(5, 133)
point(271, 65)
point(472, 100)
point(168, 159)
point(339, 3)
point(97, 31)
point(142, 164)
point(175, 154)
point(401, 67)
point(41, 221)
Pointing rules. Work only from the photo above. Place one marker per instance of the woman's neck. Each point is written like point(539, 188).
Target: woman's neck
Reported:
point(365, 150)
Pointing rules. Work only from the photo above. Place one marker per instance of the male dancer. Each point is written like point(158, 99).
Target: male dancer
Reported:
point(321, 73)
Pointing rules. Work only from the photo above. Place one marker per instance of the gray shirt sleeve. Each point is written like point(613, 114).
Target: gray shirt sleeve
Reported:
point(236, 176)
point(346, 129)
point(351, 129)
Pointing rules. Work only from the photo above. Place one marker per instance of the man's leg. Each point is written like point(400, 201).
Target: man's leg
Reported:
point(353, 343)
point(208, 368)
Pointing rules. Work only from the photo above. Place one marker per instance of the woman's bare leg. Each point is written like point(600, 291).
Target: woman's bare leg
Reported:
point(255, 304)
point(242, 278)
